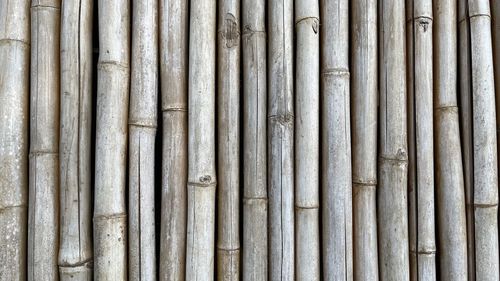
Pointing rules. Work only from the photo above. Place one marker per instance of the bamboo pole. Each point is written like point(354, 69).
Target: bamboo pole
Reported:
point(423, 150)
point(336, 143)
point(201, 163)
point(43, 211)
point(228, 107)
point(449, 174)
point(174, 71)
point(14, 111)
point(484, 142)
point(280, 141)
point(466, 136)
point(255, 239)
point(113, 72)
point(307, 140)
point(393, 157)
point(75, 251)
point(142, 130)
point(364, 137)
point(495, 32)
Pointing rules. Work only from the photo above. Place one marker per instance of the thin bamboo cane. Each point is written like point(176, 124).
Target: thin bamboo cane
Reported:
point(466, 139)
point(201, 164)
point(364, 137)
point(43, 211)
point(393, 157)
point(75, 251)
point(484, 142)
point(14, 111)
point(280, 141)
point(254, 251)
point(113, 73)
point(422, 89)
point(142, 129)
point(449, 173)
point(336, 142)
point(228, 103)
point(174, 71)
point(307, 140)
point(412, 165)
point(495, 32)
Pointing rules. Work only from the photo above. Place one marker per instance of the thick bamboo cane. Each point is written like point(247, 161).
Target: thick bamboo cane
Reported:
point(75, 251)
point(254, 251)
point(484, 142)
point(364, 137)
point(14, 111)
point(393, 157)
point(280, 141)
point(449, 173)
point(142, 129)
point(43, 214)
point(421, 98)
point(201, 164)
point(466, 139)
point(174, 71)
point(336, 142)
point(307, 140)
point(228, 108)
point(113, 73)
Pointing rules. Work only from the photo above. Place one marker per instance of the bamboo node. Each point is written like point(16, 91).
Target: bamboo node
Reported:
point(7, 41)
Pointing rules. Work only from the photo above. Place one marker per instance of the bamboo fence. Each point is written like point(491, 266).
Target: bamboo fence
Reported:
point(249, 140)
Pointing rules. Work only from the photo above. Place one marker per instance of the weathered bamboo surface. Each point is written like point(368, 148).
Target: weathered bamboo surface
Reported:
point(297, 140)
point(43, 210)
point(14, 133)
point(75, 251)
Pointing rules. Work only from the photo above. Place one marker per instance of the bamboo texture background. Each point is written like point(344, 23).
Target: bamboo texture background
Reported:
point(249, 140)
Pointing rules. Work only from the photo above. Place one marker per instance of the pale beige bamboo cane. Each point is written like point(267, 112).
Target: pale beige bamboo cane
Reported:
point(142, 129)
point(14, 112)
point(307, 140)
point(364, 137)
point(484, 142)
point(336, 174)
point(412, 165)
point(466, 132)
point(254, 250)
point(424, 148)
point(449, 174)
point(113, 74)
point(201, 146)
point(43, 210)
point(174, 71)
point(75, 251)
point(228, 108)
point(280, 141)
point(393, 157)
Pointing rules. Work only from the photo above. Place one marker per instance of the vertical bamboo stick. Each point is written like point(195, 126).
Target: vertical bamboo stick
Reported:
point(466, 136)
point(142, 129)
point(336, 142)
point(307, 140)
point(201, 146)
point(280, 141)
point(14, 111)
point(412, 153)
point(449, 173)
point(254, 251)
point(113, 72)
point(228, 103)
point(75, 251)
point(422, 95)
point(173, 66)
point(484, 142)
point(364, 137)
point(495, 32)
point(393, 157)
point(43, 214)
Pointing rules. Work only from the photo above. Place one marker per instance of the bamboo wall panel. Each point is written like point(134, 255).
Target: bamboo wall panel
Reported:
point(249, 140)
